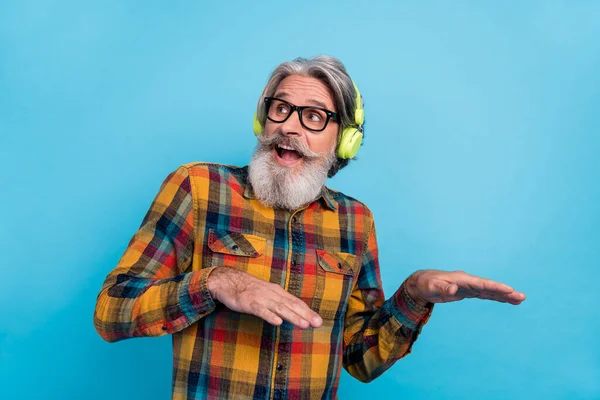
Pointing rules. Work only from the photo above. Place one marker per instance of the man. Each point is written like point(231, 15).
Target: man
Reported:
point(269, 281)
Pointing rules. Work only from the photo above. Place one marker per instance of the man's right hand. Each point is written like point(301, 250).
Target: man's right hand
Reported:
point(242, 292)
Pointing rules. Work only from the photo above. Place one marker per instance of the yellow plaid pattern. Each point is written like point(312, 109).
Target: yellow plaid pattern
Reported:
point(205, 216)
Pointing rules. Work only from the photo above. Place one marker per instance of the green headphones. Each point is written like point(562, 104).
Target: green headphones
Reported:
point(351, 137)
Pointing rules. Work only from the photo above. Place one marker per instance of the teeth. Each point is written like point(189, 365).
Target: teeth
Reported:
point(283, 146)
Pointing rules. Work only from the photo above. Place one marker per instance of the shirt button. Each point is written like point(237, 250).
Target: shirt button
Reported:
point(293, 262)
point(234, 247)
point(279, 367)
point(164, 328)
point(294, 219)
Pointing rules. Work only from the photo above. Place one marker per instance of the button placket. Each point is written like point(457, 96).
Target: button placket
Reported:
point(297, 237)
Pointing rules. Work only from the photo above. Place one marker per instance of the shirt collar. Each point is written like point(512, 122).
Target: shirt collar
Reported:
point(326, 195)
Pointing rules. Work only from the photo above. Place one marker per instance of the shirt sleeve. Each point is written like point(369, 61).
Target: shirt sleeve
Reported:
point(149, 293)
point(378, 332)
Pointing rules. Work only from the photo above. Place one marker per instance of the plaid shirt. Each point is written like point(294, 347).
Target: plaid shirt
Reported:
point(205, 216)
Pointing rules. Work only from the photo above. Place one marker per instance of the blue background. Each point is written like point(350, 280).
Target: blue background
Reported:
point(481, 154)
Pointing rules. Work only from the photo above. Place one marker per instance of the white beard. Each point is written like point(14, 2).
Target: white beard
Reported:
point(282, 187)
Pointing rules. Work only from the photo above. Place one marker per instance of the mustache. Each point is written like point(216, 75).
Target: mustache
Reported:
point(278, 138)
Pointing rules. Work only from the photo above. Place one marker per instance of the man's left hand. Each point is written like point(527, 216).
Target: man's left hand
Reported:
point(433, 286)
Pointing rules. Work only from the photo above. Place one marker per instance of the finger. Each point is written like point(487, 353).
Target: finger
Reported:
point(298, 306)
point(493, 286)
point(516, 297)
point(513, 298)
point(478, 284)
point(303, 310)
point(267, 315)
point(467, 293)
point(284, 312)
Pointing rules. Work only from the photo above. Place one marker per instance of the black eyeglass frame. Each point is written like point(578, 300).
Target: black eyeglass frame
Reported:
point(299, 109)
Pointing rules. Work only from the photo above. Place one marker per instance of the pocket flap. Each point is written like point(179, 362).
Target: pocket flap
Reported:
point(237, 244)
point(337, 262)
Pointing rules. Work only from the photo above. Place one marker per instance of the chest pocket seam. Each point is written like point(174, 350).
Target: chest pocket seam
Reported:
point(335, 274)
point(236, 244)
point(336, 262)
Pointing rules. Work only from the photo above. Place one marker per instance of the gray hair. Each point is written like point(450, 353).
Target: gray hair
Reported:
point(332, 73)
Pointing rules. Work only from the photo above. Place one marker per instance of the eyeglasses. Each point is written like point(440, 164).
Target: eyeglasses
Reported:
point(312, 118)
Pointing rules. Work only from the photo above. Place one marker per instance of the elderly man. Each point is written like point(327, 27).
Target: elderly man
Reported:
point(268, 280)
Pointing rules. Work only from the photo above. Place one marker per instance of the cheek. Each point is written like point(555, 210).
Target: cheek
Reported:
point(270, 128)
point(323, 143)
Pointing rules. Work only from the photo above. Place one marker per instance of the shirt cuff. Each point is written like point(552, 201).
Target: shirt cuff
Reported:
point(407, 311)
point(194, 298)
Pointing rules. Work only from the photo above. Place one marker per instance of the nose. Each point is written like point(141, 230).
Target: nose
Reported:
point(292, 126)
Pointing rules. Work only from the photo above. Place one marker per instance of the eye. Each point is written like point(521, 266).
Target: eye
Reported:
point(282, 108)
point(314, 116)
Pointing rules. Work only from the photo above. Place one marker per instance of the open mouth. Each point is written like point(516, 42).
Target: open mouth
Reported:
point(287, 153)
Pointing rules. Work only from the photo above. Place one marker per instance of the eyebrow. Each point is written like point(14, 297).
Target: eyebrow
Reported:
point(317, 103)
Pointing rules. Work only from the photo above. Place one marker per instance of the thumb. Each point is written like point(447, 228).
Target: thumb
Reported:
point(451, 289)
point(448, 291)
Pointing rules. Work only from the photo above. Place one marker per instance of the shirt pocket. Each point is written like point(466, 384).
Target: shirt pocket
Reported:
point(334, 281)
point(242, 251)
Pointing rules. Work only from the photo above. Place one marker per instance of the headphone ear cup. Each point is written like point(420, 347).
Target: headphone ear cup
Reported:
point(349, 143)
point(258, 129)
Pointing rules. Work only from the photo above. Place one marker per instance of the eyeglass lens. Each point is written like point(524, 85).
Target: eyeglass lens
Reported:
point(312, 118)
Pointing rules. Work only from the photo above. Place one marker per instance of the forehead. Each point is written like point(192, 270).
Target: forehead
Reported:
point(303, 90)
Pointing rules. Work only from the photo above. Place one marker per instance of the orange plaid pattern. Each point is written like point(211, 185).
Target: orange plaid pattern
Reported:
point(205, 216)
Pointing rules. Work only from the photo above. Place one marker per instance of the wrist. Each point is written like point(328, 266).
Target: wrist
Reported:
point(412, 289)
point(212, 283)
